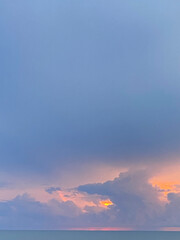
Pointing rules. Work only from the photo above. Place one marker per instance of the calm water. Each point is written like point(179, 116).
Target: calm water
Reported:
point(83, 235)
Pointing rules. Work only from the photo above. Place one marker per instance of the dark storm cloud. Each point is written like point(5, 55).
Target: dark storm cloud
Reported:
point(88, 80)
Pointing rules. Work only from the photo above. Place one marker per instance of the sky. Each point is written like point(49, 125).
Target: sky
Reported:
point(90, 114)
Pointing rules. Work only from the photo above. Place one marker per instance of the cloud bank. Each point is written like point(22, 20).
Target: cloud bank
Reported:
point(135, 205)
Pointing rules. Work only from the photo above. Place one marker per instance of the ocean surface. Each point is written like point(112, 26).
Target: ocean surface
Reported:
point(87, 235)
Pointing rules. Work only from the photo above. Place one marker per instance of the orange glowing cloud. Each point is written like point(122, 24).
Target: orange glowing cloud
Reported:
point(165, 188)
point(83, 200)
point(79, 199)
point(106, 203)
point(167, 181)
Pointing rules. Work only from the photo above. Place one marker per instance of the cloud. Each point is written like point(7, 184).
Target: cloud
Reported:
point(171, 216)
point(135, 205)
point(53, 189)
point(135, 200)
point(23, 212)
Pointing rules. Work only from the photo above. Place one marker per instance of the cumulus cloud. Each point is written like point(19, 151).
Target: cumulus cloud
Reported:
point(135, 200)
point(171, 216)
point(135, 205)
point(24, 212)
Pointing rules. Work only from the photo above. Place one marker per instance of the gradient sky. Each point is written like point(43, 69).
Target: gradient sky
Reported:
point(89, 114)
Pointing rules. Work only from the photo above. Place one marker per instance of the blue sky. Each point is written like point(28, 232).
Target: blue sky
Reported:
point(88, 90)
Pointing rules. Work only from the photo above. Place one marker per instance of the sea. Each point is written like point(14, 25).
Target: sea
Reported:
point(88, 235)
